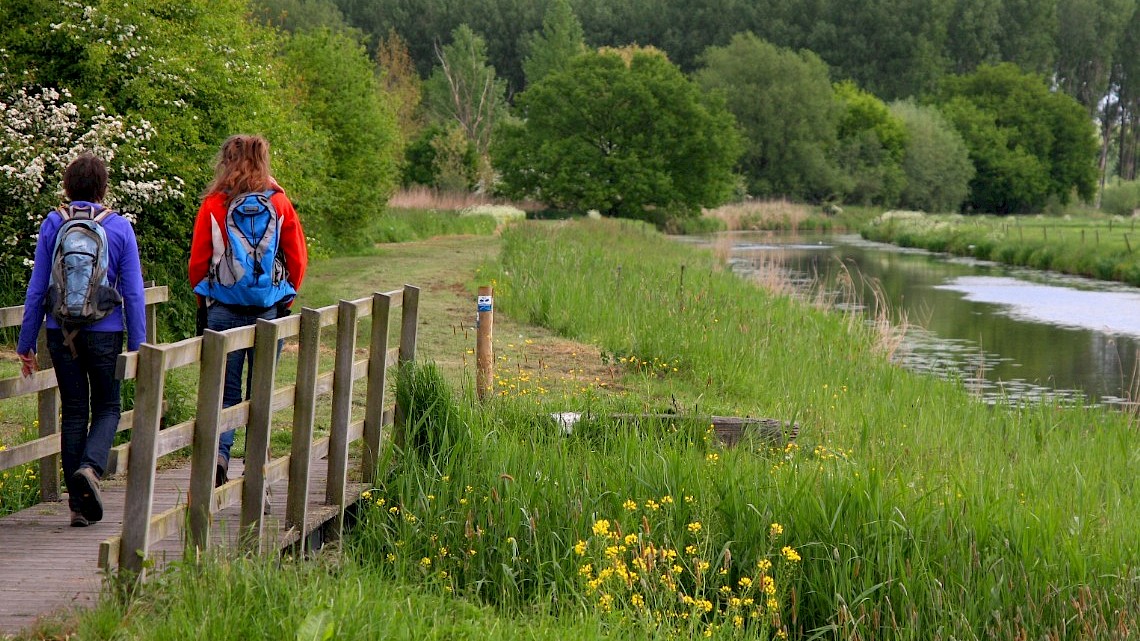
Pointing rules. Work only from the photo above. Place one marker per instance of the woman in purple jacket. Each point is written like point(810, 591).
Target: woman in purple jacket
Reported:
point(85, 362)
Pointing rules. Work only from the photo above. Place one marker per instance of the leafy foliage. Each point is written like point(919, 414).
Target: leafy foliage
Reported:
point(342, 99)
point(935, 161)
point(1028, 144)
point(786, 108)
point(560, 40)
point(871, 144)
point(623, 132)
point(180, 76)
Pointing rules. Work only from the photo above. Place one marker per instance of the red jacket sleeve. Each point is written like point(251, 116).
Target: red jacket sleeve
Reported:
point(293, 246)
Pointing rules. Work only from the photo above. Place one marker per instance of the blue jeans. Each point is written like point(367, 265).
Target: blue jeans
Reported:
point(89, 400)
point(220, 318)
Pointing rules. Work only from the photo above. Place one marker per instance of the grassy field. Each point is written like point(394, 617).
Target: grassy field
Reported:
point(1093, 244)
point(905, 509)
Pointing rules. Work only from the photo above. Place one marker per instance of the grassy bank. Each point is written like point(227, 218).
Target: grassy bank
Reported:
point(906, 510)
point(1093, 245)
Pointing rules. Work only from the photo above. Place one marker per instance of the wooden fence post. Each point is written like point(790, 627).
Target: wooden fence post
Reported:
point(47, 413)
point(341, 413)
point(257, 433)
point(408, 323)
point(484, 343)
point(304, 413)
point(211, 383)
point(409, 319)
point(377, 382)
point(140, 466)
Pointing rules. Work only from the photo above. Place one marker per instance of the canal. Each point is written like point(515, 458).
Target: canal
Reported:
point(1010, 334)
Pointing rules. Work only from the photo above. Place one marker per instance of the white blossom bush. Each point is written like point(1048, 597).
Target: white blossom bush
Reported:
point(41, 131)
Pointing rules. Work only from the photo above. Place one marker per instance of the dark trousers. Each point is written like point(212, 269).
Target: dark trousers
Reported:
point(220, 318)
point(89, 400)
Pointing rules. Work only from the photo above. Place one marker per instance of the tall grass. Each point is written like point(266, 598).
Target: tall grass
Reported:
point(905, 511)
point(1093, 245)
point(920, 512)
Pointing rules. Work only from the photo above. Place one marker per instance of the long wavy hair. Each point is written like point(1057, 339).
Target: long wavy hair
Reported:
point(241, 166)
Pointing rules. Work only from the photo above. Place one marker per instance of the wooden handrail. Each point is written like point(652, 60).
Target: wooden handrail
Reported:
point(141, 527)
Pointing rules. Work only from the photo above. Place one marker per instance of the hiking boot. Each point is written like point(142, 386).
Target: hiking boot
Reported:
point(221, 471)
point(78, 520)
point(85, 484)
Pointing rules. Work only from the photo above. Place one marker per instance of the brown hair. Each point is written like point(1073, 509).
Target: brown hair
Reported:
point(241, 166)
point(85, 178)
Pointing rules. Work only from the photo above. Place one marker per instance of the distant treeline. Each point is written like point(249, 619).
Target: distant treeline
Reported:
point(1090, 49)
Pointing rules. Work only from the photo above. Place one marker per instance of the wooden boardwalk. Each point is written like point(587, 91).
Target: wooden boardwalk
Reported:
point(152, 507)
point(47, 567)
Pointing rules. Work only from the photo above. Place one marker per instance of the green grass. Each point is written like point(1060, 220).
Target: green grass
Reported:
point(915, 511)
point(1087, 244)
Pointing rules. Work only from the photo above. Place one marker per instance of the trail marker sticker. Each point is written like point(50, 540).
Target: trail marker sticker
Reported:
point(485, 303)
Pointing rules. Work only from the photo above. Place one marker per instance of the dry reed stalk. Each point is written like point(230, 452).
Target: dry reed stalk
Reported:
point(421, 197)
point(754, 215)
point(722, 249)
point(770, 275)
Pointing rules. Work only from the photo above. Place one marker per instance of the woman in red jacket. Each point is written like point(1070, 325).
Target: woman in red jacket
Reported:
point(247, 257)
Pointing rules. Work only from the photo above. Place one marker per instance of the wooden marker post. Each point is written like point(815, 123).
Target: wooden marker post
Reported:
point(484, 350)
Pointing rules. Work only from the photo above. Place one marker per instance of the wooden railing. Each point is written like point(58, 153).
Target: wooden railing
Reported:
point(142, 528)
point(45, 449)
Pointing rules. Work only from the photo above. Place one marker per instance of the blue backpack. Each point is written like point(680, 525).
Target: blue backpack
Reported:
point(249, 270)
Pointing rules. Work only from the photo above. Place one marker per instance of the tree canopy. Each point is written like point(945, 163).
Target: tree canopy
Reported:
point(1028, 144)
point(786, 108)
point(623, 132)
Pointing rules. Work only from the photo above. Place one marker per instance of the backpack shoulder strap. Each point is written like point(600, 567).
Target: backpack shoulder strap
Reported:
point(103, 214)
point(64, 212)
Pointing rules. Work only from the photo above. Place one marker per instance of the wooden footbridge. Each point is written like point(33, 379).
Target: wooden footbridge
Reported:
point(158, 507)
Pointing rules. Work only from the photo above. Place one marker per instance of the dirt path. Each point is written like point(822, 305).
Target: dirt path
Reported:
point(529, 359)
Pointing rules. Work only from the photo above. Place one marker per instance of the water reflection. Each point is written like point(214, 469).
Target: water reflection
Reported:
point(1010, 334)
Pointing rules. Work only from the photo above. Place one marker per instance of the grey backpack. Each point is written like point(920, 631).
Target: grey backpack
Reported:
point(78, 291)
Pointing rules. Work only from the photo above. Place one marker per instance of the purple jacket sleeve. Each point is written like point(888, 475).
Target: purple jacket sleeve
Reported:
point(37, 287)
point(131, 287)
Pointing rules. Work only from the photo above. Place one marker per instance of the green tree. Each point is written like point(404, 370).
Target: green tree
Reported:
point(870, 148)
point(786, 107)
point(1028, 144)
point(463, 90)
point(560, 40)
point(341, 96)
point(401, 82)
point(623, 132)
point(196, 70)
point(935, 160)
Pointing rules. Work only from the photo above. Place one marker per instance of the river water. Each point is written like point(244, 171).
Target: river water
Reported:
point(1011, 334)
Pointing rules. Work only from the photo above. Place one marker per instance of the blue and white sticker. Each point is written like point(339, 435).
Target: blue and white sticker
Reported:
point(485, 303)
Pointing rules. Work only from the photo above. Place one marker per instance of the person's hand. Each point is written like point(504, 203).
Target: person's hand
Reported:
point(28, 364)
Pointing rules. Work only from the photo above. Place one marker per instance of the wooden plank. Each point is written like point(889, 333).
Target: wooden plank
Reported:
point(211, 385)
point(408, 323)
point(377, 384)
point(140, 479)
point(157, 294)
point(409, 318)
point(12, 316)
point(29, 451)
point(257, 433)
point(183, 352)
point(304, 416)
point(288, 326)
point(39, 381)
point(341, 412)
point(47, 412)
